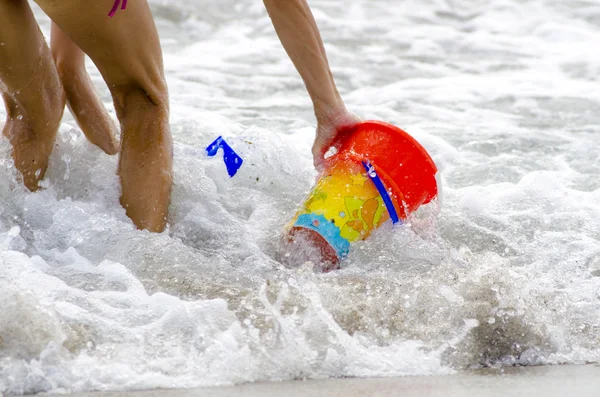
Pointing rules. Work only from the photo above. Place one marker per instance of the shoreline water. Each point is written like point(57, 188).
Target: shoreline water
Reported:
point(547, 381)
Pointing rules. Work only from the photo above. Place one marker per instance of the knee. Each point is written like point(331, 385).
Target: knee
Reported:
point(147, 96)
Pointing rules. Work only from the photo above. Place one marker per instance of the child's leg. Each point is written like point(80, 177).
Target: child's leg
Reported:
point(86, 107)
point(31, 90)
point(126, 50)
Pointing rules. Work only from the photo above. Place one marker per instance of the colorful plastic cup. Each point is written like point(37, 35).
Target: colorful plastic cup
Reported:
point(379, 173)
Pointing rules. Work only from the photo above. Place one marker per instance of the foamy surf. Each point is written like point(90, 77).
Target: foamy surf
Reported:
point(501, 94)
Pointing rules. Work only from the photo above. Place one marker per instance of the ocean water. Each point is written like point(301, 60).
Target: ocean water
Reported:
point(505, 96)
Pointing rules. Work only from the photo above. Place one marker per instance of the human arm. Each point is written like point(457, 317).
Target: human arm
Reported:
point(299, 35)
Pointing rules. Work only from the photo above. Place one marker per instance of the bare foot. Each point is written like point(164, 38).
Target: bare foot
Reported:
point(30, 150)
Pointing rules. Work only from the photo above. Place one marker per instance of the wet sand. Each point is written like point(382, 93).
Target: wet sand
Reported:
point(546, 381)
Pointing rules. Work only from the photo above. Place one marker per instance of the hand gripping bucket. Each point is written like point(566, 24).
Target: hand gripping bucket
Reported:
point(379, 173)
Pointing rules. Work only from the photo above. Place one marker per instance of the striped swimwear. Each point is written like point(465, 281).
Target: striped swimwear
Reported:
point(115, 7)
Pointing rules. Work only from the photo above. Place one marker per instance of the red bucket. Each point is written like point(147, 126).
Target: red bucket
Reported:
point(380, 172)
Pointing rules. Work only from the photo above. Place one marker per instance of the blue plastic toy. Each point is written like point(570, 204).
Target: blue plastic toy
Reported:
point(382, 191)
point(233, 162)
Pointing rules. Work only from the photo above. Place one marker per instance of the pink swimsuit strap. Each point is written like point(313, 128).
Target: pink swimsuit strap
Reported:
point(115, 7)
